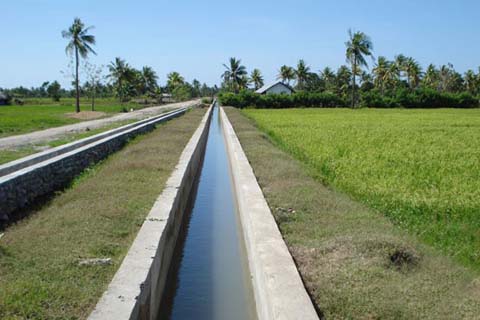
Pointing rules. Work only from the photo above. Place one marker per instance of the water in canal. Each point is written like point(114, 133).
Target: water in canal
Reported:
point(208, 280)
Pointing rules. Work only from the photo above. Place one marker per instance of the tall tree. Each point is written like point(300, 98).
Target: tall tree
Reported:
point(80, 43)
point(94, 75)
point(53, 90)
point(358, 46)
point(174, 80)
point(413, 73)
point(431, 78)
point(343, 80)
point(256, 78)
point(234, 74)
point(302, 73)
point(148, 79)
point(380, 72)
point(401, 64)
point(471, 82)
point(120, 73)
point(286, 74)
point(328, 77)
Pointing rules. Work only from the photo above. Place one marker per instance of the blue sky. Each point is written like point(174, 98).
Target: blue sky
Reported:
point(196, 37)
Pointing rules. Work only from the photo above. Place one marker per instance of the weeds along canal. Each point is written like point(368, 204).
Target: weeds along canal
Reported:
point(209, 274)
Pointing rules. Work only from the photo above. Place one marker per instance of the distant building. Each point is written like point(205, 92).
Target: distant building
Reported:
point(276, 87)
point(3, 99)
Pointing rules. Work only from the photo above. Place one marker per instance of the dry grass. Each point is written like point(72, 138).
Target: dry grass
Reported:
point(97, 217)
point(355, 263)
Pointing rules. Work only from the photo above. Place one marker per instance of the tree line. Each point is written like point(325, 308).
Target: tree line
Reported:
point(118, 79)
point(387, 83)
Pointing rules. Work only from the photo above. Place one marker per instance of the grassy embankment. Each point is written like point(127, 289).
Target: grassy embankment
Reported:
point(8, 155)
point(356, 264)
point(97, 217)
point(38, 114)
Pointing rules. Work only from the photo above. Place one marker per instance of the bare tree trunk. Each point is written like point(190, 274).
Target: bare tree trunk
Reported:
point(93, 98)
point(77, 106)
point(354, 69)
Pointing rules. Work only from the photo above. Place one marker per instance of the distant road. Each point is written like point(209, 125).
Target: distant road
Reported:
point(57, 132)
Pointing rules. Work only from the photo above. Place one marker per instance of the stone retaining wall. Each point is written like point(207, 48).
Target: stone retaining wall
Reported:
point(16, 165)
point(23, 187)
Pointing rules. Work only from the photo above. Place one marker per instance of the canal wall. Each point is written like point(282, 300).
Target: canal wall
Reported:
point(27, 179)
point(278, 289)
point(138, 287)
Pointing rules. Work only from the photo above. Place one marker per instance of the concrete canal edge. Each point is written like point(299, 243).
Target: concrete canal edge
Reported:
point(44, 173)
point(278, 289)
point(138, 286)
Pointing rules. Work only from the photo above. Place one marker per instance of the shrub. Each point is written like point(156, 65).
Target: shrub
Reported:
point(206, 100)
point(403, 98)
point(374, 99)
point(280, 101)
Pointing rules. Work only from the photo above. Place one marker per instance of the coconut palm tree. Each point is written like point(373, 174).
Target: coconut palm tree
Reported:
point(80, 44)
point(413, 72)
point(174, 80)
point(302, 73)
point(401, 63)
point(234, 73)
point(471, 82)
point(286, 74)
point(380, 71)
point(358, 46)
point(343, 80)
point(430, 80)
point(445, 77)
point(328, 77)
point(148, 78)
point(256, 78)
point(120, 73)
point(392, 76)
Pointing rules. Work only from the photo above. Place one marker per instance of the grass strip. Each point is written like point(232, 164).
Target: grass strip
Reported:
point(8, 155)
point(355, 263)
point(97, 217)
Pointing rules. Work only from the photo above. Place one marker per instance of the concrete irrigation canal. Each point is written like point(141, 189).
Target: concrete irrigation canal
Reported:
point(210, 279)
point(209, 248)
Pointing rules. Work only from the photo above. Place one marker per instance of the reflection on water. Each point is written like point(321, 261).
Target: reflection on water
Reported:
point(209, 278)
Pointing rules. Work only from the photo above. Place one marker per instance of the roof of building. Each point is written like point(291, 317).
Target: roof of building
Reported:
point(3, 96)
point(271, 85)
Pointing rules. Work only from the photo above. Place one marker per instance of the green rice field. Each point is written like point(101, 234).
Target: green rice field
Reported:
point(421, 168)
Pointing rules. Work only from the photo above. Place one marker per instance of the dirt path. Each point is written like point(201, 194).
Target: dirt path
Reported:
point(53, 133)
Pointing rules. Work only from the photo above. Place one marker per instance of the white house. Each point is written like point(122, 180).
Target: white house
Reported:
point(276, 87)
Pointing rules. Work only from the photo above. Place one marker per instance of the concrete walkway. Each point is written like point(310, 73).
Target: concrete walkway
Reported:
point(57, 132)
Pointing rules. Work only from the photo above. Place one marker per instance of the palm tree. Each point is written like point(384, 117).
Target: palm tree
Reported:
point(120, 73)
point(302, 73)
point(358, 47)
point(401, 63)
point(256, 78)
point(413, 72)
point(174, 80)
point(234, 73)
point(328, 77)
point(430, 80)
point(392, 76)
point(148, 79)
point(380, 72)
point(343, 80)
point(445, 77)
point(80, 43)
point(471, 82)
point(243, 82)
point(286, 74)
